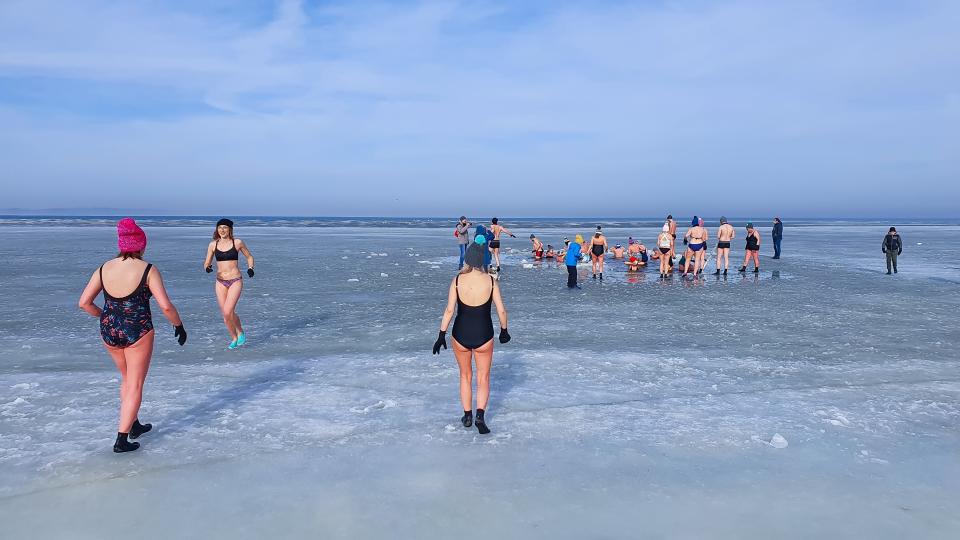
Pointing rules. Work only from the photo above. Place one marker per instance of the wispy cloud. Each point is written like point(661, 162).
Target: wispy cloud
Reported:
point(411, 107)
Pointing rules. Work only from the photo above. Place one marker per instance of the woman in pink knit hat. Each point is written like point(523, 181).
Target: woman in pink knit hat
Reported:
point(229, 280)
point(126, 325)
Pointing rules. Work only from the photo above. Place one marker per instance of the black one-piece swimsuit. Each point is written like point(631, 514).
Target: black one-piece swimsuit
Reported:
point(473, 326)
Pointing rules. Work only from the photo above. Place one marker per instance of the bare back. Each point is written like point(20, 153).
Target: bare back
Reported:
point(697, 235)
point(726, 233)
point(122, 277)
point(474, 288)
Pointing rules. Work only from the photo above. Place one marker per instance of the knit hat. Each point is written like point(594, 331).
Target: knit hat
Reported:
point(474, 256)
point(225, 221)
point(130, 237)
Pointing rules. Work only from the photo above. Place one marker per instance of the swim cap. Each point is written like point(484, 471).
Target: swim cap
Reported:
point(666, 228)
point(618, 245)
point(474, 255)
point(130, 237)
point(723, 220)
point(578, 238)
point(630, 241)
point(226, 222)
point(695, 221)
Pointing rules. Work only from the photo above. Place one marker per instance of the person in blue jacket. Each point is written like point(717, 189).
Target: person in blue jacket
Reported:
point(573, 255)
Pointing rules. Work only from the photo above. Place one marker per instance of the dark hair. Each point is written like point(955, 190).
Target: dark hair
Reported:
point(130, 255)
point(669, 216)
point(216, 232)
point(494, 221)
point(597, 235)
point(893, 229)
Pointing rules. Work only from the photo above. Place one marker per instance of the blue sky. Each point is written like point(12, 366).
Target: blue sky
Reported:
point(510, 108)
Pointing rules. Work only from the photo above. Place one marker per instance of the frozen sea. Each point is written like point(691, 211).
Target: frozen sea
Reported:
point(820, 399)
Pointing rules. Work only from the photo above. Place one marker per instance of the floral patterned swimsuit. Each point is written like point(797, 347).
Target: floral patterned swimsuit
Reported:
point(125, 320)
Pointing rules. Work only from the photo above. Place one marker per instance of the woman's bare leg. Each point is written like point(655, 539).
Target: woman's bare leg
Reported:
point(221, 292)
point(230, 306)
point(464, 358)
point(133, 363)
point(484, 356)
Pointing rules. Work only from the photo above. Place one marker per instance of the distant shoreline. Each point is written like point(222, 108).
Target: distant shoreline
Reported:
point(443, 222)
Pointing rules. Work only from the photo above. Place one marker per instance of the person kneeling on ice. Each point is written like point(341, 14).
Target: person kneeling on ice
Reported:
point(637, 249)
point(634, 264)
point(471, 293)
point(537, 247)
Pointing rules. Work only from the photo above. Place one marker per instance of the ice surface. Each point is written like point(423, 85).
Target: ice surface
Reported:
point(819, 399)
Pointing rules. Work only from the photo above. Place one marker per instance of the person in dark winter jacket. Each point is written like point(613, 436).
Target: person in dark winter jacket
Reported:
point(892, 246)
point(777, 236)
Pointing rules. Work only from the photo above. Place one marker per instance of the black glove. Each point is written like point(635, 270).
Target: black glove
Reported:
point(250, 272)
point(883, 249)
point(684, 241)
point(513, 236)
point(209, 269)
point(900, 252)
point(180, 334)
point(441, 341)
point(504, 335)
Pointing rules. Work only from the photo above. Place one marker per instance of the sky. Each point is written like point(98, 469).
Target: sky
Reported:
point(533, 108)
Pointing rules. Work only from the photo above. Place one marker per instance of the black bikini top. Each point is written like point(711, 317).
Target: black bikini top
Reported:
point(228, 255)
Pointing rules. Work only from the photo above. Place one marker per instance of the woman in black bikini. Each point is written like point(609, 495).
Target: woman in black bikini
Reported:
point(229, 281)
point(471, 293)
point(126, 324)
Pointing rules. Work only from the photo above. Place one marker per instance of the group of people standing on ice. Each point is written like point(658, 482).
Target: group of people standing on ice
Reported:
point(692, 261)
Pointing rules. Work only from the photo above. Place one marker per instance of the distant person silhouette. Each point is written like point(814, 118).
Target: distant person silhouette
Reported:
point(892, 246)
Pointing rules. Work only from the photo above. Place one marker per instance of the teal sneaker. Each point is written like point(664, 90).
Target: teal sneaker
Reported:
point(232, 345)
point(241, 339)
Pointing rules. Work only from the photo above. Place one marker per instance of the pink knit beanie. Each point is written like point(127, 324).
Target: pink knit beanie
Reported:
point(130, 237)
